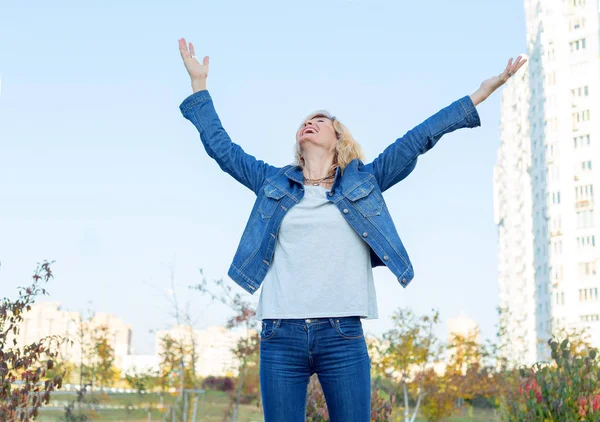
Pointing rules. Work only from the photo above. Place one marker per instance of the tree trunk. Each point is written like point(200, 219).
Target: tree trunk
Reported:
point(239, 393)
point(417, 407)
point(185, 406)
point(406, 409)
point(195, 411)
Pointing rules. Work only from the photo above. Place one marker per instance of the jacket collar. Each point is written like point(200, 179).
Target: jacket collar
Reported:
point(293, 173)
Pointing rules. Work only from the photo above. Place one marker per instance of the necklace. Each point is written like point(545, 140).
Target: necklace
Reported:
point(317, 182)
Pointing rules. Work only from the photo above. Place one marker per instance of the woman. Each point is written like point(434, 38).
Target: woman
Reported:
point(316, 229)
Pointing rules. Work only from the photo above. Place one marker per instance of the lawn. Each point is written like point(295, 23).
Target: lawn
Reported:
point(215, 406)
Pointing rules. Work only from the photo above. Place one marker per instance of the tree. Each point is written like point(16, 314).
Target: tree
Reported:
point(186, 353)
point(74, 408)
point(463, 379)
point(171, 356)
point(102, 357)
point(247, 349)
point(407, 351)
point(440, 401)
point(140, 381)
point(27, 363)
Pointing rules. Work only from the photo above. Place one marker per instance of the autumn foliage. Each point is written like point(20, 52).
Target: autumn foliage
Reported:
point(566, 389)
point(24, 385)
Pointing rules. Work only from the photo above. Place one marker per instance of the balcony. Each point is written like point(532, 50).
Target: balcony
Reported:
point(584, 204)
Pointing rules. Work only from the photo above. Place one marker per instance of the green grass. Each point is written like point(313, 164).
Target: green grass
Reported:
point(478, 415)
point(215, 406)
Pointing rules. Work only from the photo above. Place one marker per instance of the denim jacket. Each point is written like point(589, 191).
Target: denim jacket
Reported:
point(356, 191)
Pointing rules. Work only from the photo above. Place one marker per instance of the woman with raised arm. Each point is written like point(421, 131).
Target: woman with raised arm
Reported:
point(317, 228)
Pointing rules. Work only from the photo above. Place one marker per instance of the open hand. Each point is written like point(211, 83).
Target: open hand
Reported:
point(490, 85)
point(495, 82)
point(198, 72)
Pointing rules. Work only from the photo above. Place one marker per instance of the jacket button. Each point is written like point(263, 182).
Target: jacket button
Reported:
point(385, 257)
point(345, 210)
point(365, 234)
point(403, 281)
point(330, 193)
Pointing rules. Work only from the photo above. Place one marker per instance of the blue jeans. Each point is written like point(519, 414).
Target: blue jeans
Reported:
point(291, 350)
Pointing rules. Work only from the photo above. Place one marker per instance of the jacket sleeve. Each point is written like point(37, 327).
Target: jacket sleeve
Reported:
point(199, 109)
point(400, 158)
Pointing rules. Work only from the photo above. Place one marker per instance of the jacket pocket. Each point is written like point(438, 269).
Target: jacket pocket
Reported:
point(366, 199)
point(270, 201)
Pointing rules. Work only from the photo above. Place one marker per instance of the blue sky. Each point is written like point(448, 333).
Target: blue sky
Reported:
point(100, 172)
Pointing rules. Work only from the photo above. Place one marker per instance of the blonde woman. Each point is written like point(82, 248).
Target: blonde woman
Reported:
point(316, 230)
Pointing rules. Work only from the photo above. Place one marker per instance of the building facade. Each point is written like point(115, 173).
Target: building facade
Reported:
point(48, 319)
point(213, 347)
point(544, 181)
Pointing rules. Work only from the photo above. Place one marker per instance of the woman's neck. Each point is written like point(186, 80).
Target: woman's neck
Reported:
point(317, 167)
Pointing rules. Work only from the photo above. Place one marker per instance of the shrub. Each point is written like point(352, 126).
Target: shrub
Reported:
point(567, 389)
point(24, 384)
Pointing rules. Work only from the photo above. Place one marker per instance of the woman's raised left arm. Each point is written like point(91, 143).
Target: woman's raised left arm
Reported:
point(399, 159)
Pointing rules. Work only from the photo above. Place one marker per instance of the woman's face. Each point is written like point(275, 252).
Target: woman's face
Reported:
point(318, 131)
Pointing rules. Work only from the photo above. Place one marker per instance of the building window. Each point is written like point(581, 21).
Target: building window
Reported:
point(585, 219)
point(581, 141)
point(589, 294)
point(579, 117)
point(576, 23)
point(557, 247)
point(577, 45)
point(587, 269)
point(556, 224)
point(584, 192)
point(582, 91)
point(590, 318)
point(586, 241)
point(585, 116)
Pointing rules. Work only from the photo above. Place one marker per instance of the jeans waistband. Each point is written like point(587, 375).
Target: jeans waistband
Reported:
point(302, 321)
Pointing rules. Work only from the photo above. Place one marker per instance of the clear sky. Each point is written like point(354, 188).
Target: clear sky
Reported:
point(100, 172)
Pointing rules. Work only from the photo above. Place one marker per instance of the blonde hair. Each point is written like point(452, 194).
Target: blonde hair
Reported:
point(346, 148)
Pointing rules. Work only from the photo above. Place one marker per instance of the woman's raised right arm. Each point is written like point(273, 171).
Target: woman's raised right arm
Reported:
point(199, 109)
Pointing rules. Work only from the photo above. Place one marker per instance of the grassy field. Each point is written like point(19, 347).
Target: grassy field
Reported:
point(215, 407)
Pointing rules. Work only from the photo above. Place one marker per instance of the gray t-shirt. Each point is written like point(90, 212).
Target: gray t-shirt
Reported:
point(321, 267)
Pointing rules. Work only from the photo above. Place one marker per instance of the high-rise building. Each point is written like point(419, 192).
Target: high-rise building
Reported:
point(544, 180)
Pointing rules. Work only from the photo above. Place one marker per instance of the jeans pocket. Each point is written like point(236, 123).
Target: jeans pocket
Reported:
point(349, 328)
point(269, 328)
